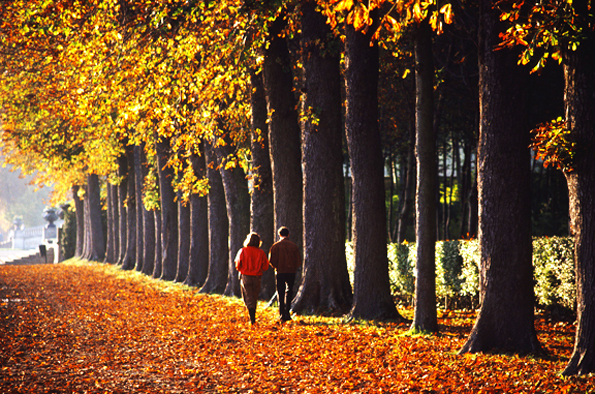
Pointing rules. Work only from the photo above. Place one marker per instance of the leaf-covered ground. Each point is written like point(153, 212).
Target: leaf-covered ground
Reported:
point(92, 328)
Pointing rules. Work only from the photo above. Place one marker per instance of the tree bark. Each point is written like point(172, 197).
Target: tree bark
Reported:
point(198, 266)
point(284, 133)
point(325, 280)
point(122, 192)
point(116, 222)
point(405, 216)
point(169, 211)
point(116, 214)
point(425, 316)
point(451, 187)
point(262, 211)
point(473, 211)
point(580, 116)
point(237, 201)
point(87, 235)
point(140, 207)
point(149, 234)
point(441, 184)
point(465, 188)
point(109, 243)
point(372, 298)
point(183, 239)
point(218, 228)
point(129, 259)
point(505, 320)
point(150, 242)
point(97, 238)
point(390, 220)
point(158, 262)
point(80, 221)
point(581, 186)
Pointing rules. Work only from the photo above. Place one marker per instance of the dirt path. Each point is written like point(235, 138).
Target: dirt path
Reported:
point(89, 328)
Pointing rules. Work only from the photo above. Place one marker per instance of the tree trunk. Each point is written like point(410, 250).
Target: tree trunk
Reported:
point(580, 104)
point(109, 242)
point(97, 238)
point(262, 212)
point(372, 298)
point(183, 239)
point(140, 207)
point(80, 221)
point(169, 212)
point(237, 201)
point(410, 182)
point(284, 133)
point(390, 169)
point(122, 192)
point(150, 242)
point(198, 265)
point(581, 186)
point(129, 259)
point(348, 205)
point(441, 184)
point(465, 187)
point(473, 211)
point(425, 316)
point(454, 169)
point(442, 194)
point(116, 223)
point(505, 320)
point(87, 236)
point(116, 215)
point(158, 263)
point(218, 228)
point(325, 280)
point(149, 227)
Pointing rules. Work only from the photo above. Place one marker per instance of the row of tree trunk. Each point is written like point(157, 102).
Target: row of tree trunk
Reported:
point(298, 182)
point(300, 185)
point(506, 319)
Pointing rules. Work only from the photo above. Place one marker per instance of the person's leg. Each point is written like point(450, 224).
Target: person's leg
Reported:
point(245, 296)
point(250, 291)
point(281, 294)
point(289, 281)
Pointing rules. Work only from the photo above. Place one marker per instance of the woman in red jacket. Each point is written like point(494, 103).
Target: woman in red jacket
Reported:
point(251, 262)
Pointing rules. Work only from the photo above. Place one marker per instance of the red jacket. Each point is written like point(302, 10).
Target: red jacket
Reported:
point(251, 260)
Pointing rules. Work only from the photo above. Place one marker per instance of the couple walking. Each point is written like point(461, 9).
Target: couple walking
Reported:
point(251, 262)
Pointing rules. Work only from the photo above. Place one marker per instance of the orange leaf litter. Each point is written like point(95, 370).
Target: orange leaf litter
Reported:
point(90, 328)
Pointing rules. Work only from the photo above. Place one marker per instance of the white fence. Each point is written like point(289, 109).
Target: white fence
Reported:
point(28, 238)
point(32, 237)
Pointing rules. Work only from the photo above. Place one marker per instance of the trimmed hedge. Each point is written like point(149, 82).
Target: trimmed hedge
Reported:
point(457, 272)
point(553, 261)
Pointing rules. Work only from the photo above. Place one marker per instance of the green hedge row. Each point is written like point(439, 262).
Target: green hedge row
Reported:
point(457, 272)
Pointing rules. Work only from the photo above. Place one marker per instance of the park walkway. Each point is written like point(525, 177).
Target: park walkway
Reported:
point(92, 328)
point(10, 256)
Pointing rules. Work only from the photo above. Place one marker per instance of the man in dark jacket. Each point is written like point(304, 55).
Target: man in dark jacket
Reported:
point(285, 258)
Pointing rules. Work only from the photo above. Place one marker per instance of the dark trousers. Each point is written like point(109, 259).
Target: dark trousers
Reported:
point(285, 293)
